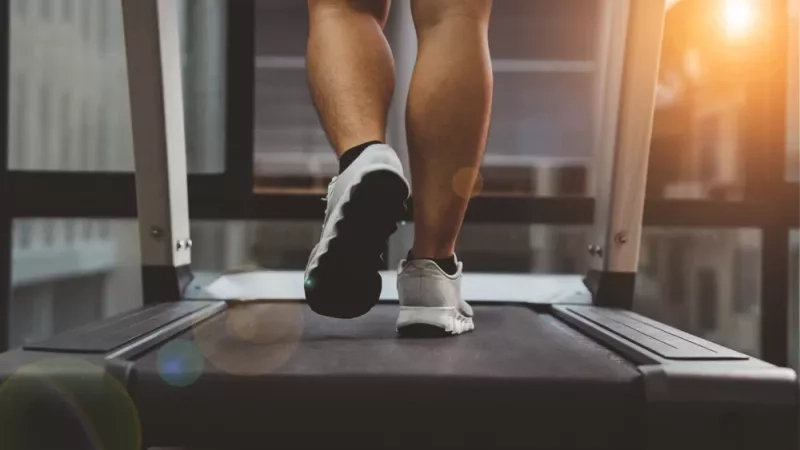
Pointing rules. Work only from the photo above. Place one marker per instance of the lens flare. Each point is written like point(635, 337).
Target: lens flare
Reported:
point(739, 17)
point(251, 338)
point(84, 407)
point(467, 182)
point(180, 363)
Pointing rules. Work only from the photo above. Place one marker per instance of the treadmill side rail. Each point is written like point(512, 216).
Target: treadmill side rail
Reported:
point(114, 333)
point(647, 341)
point(720, 384)
point(663, 340)
point(697, 394)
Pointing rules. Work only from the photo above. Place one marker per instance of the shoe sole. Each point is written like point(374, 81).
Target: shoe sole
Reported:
point(432, 322)
point(345, 283)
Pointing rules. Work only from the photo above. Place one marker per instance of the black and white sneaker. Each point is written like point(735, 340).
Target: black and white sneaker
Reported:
point(365, 203)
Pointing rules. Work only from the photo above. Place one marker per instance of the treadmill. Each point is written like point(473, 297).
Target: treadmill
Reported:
point(564, 365)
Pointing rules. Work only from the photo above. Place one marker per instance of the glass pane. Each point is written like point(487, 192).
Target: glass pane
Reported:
point(544, 58)
point(541, 135)
point(69, 102)
point(715, 60)
point(794, 297)
point(704, 281)
point(486, 248)
point(793, 95)
point(291, 151)
point(205, 62)
point(66, 273)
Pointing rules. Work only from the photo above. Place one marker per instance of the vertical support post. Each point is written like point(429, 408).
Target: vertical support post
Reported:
point(152, 37)
point(5, 196)
point(634, 32)
point(771, 89)
point(792, 123)
point(240, 104)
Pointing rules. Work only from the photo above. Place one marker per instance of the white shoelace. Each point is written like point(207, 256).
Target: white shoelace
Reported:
point(330, 189)
point(327, 197)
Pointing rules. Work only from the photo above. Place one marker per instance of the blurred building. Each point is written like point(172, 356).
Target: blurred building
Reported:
point(69, 111)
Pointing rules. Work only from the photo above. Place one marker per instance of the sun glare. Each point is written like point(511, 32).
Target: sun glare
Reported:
point(739, 17)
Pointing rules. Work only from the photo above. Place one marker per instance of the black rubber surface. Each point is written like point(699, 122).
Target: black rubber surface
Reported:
point(423, 330)
point(106, 335)
point(347, 283)
point(279, 370)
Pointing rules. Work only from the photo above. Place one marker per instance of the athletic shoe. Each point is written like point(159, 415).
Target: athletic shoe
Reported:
point(365, 203)
point(430, 300)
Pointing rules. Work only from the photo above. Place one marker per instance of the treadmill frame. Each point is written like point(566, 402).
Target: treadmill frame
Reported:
point(153, 50)
point(630, 47)
point(714, 383)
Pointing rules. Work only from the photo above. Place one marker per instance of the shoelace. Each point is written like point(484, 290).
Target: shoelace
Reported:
point(330, 189)
point(327, 197)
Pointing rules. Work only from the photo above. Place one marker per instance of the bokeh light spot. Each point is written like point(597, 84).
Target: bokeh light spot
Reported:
point(180, 362)
point(739, 17)
point(467, 182)
point(82, 405)
point(251, 338)
point(242, 324)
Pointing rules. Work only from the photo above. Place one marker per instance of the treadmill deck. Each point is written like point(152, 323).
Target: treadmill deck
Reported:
point(260, 339)
point(280, 368)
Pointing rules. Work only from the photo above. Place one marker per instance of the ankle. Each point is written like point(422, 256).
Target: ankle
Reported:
point(448, 263)
point(349, 156)
point(433, 254)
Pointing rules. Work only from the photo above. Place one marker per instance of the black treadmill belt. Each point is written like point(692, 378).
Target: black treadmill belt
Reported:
point(280, 369)
point(510, 341)
point(107, 335)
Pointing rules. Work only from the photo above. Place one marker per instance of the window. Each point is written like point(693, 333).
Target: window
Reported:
point(747, 266)
point(68, 280)
point(102, 26)
point(46, 9)
point(84, 141)
point(708, 102)
point(93, 57)
point(707, 298)
point(21, 7)
point(68, 9)
point(103, 128)
point(694, 286)
point(86, 22)
point(19, 133)
point(42, 151)
point(676, 287)
point(65, 125)
point(540, 141)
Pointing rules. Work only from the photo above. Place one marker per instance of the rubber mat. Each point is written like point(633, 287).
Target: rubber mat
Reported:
point(509, 341)
point(279, 374)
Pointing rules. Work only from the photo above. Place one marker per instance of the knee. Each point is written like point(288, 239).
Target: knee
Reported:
point(377, 9)
point(428, 13)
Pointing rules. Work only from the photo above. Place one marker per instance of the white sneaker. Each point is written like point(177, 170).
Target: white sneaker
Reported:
point(365, 202)
point(430, 300)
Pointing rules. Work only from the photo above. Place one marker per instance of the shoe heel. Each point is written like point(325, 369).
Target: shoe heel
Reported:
point(346, 284)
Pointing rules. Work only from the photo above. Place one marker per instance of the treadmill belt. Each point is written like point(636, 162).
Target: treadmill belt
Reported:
point(287, 338)
point(279, 368)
